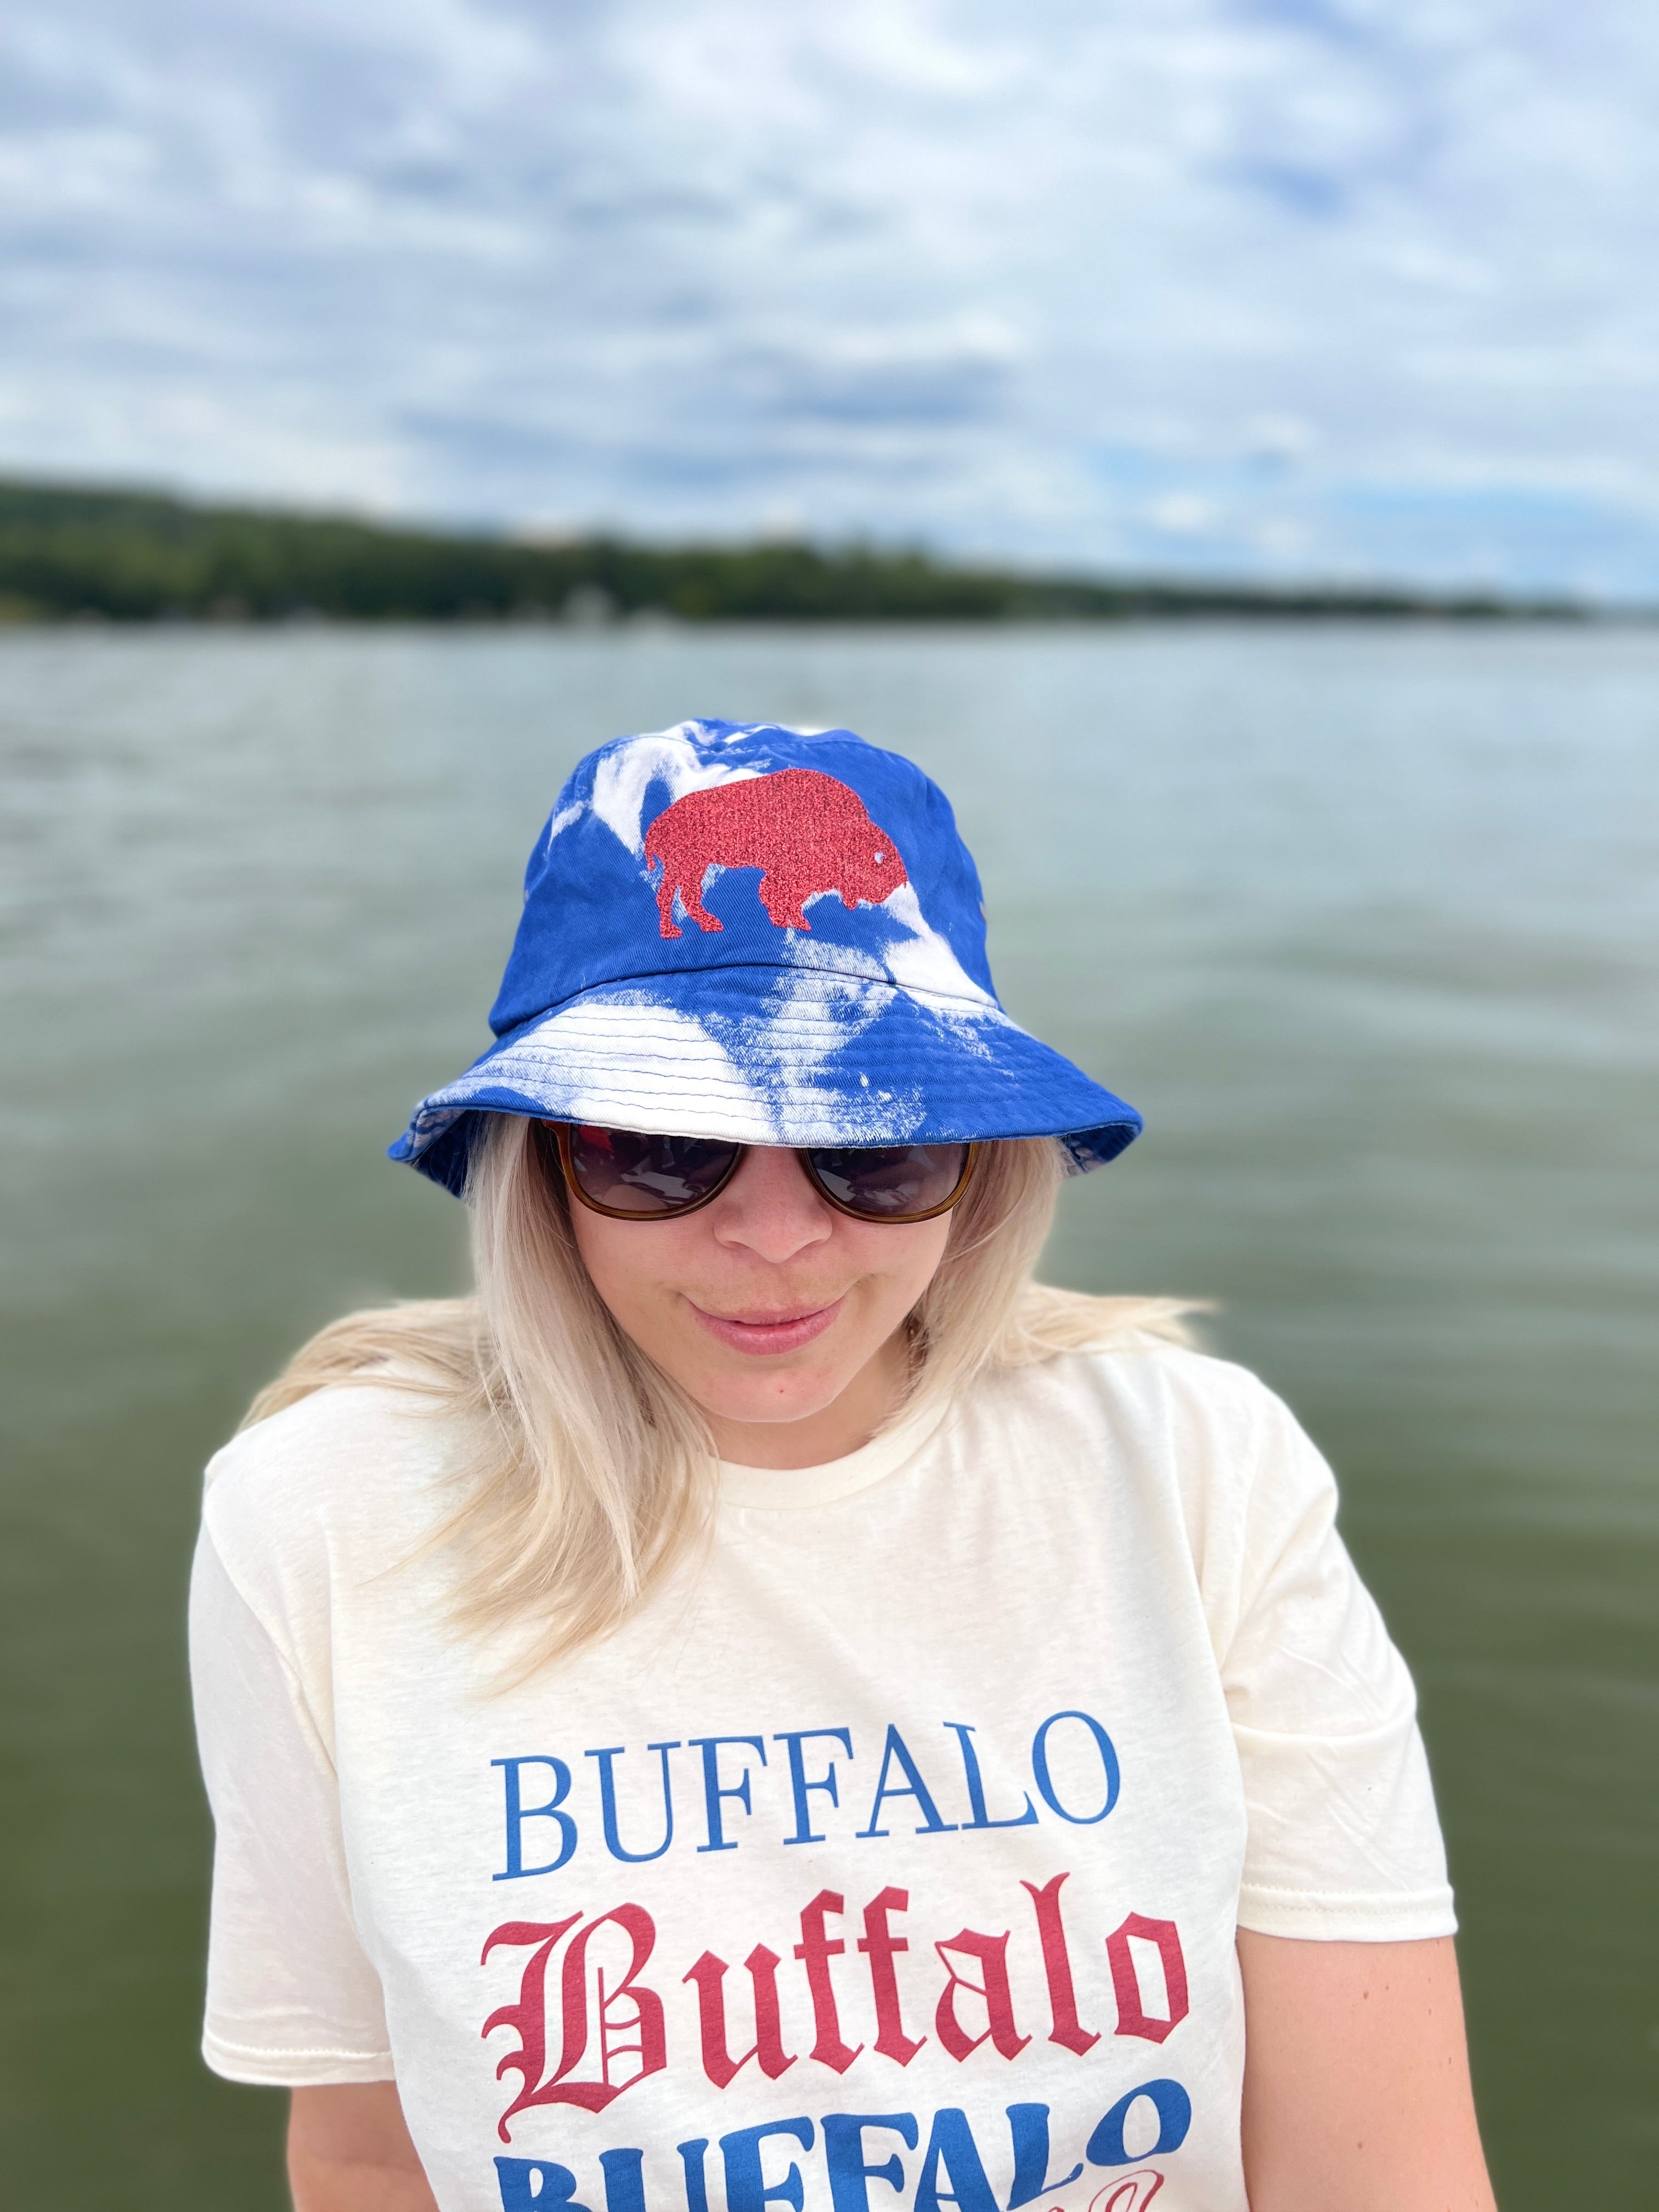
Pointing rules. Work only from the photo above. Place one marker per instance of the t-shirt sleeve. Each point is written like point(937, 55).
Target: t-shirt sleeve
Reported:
point(1343, 1840)
point(292, 1999)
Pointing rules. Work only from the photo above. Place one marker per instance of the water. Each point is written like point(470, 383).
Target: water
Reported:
point(1367, 922)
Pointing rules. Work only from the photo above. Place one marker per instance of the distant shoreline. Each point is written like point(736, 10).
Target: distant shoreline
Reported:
point(69, 554)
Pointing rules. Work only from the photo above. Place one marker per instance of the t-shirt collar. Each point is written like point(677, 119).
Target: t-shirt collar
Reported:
point(782, 1489)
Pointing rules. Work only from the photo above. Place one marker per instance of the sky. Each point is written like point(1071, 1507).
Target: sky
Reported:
point(1328, 289)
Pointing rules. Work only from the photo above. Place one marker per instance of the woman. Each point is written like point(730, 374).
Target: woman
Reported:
point(762, 1705)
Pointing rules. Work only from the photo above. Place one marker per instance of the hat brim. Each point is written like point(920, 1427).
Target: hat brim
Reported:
point(756, 1055)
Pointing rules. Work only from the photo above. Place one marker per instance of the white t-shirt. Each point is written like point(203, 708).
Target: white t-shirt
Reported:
point(893, 1862)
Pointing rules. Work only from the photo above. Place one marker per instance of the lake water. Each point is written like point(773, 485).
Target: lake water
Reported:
point(1365, 920)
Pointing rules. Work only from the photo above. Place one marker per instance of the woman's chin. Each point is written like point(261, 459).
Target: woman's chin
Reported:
point(771, 1400)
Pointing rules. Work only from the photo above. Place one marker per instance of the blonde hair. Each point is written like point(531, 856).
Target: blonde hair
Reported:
point(594, 1475)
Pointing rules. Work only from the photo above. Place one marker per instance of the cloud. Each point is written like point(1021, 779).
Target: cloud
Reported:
point(1184, 515)
point(1354, 287)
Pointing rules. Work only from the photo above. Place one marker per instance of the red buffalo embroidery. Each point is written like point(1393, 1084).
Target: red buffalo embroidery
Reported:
point(808, 832)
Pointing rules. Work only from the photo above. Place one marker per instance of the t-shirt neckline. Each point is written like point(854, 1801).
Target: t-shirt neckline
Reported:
point(785, 1489)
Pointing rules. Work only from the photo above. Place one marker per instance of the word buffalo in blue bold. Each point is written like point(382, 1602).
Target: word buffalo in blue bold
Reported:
point(951, 2171)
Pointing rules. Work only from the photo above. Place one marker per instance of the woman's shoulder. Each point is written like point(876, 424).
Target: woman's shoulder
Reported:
point(351, 1469)
point(1145, 1381)
point(1162, 1418)
point(1197, 1440)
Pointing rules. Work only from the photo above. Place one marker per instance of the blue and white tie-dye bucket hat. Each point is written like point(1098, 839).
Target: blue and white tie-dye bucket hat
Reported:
point(732, 930)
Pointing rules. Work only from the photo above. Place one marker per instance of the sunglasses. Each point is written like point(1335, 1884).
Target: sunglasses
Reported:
point(634, 1177)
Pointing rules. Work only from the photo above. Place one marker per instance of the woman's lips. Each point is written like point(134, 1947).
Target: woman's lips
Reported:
point(763, 1332)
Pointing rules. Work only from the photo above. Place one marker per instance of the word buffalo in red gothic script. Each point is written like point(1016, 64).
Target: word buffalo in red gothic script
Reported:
point(809, 833)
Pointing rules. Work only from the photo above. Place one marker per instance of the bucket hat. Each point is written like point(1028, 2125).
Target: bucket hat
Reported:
point(734, 930)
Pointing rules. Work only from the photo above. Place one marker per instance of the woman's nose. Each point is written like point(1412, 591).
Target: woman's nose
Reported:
point(769, 1208)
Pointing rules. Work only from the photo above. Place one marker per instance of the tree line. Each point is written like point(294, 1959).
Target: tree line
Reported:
point(67, 552)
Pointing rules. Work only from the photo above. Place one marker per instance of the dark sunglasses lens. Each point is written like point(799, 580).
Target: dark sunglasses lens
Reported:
point(890, 1181)
point(633, 1174)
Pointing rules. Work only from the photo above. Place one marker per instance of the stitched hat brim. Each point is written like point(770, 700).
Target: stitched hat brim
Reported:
point(762, 1056)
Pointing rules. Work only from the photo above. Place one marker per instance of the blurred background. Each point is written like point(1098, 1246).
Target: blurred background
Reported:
point(1306, 348)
